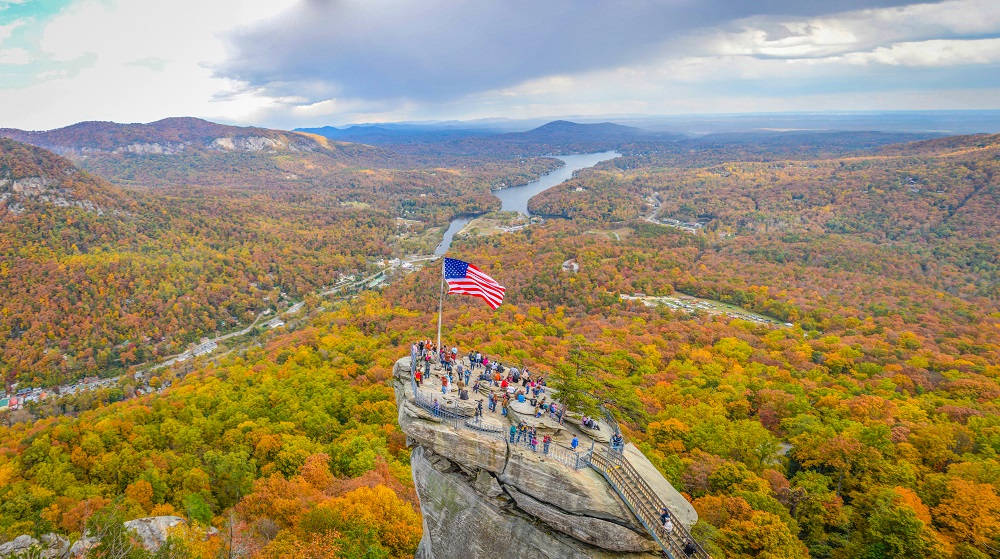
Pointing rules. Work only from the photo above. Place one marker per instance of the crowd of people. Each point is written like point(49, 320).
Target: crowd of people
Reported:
point(514, 384)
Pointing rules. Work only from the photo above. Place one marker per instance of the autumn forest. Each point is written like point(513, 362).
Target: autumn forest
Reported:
point(862, 422)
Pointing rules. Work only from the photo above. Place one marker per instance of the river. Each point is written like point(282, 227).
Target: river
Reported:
point(515, 198)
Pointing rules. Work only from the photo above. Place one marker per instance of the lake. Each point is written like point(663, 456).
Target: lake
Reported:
point(515, 198)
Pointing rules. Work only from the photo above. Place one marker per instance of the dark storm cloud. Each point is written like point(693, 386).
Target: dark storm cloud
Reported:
point(433, 50)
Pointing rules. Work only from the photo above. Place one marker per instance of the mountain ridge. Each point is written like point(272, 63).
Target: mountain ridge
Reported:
point(165, 136)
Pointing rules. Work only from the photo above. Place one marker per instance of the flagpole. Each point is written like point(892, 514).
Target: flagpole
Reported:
point(440, 304)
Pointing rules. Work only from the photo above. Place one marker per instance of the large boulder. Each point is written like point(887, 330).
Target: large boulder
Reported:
point(54, 545)
point(473, 449)
point(596, 532)
point(580, 492)
point(153, 531)
point(458, 521)
point(19, 545)
point(81, 546)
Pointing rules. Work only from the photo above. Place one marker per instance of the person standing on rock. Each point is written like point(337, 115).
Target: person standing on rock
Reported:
point(664, 515)
point(479, 409)
point(444, 384)
point(418, 377)
point(574, 443)
point(513, 430)
point(545, 443)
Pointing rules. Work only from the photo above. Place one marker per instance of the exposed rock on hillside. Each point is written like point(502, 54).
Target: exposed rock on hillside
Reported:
point(169, 136)
point(33, 176)
point(150, 533)
point(483, 497)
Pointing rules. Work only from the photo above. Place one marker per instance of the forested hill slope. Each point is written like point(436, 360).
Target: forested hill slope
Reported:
point(167, 136)
point(32, 177)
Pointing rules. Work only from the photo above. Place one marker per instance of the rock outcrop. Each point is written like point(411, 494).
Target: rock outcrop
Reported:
point(482, 496)
point(150, 533)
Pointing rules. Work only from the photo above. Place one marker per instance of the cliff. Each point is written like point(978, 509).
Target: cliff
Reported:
point(483, 496)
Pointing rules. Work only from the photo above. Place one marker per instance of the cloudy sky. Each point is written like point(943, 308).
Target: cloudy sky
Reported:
point(287, 63)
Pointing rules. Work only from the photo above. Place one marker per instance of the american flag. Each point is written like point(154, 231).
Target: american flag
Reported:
point(465, 279)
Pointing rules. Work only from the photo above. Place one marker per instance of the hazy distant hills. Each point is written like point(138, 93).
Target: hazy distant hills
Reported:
point(555, 133)
point(167, 136)
point(391, 133)
point(564, 131)
point(189, 151)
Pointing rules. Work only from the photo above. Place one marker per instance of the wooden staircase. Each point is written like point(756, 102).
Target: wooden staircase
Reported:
point(644, 503)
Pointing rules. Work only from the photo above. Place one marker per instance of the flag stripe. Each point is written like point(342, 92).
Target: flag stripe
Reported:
point(465, 279)
point(460, 283)
point(464, 289)
point(477, 294)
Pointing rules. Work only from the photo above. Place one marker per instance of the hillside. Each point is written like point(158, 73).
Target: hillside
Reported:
point(101, 278)
point(872, 418)
point(31, 178)
point(168, 136)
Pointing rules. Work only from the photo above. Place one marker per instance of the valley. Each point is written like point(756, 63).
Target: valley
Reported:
point(819, 352)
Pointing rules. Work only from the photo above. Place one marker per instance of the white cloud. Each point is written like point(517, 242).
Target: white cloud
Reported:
point(861, 30)
point(14, 56)
point(7, 29)
point(931, 53)
point(130, 61)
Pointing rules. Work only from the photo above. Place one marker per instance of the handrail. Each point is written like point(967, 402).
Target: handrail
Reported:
point(644, 503)
point(571, 458)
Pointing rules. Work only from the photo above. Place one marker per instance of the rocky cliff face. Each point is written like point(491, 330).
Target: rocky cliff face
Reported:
point(483, 497)
point(30, 176)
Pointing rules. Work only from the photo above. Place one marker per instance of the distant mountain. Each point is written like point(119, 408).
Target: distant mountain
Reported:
point(564, 131)
point(167, 136)
point(395, 133)
point(31, 177)
point(555, 134)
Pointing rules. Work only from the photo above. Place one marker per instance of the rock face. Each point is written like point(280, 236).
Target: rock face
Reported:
point(150, 533)
point(483, 497)
point(50, 546)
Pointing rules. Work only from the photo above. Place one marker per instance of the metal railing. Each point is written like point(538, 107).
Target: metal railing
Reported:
point(576, 459)
point(644, 503)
